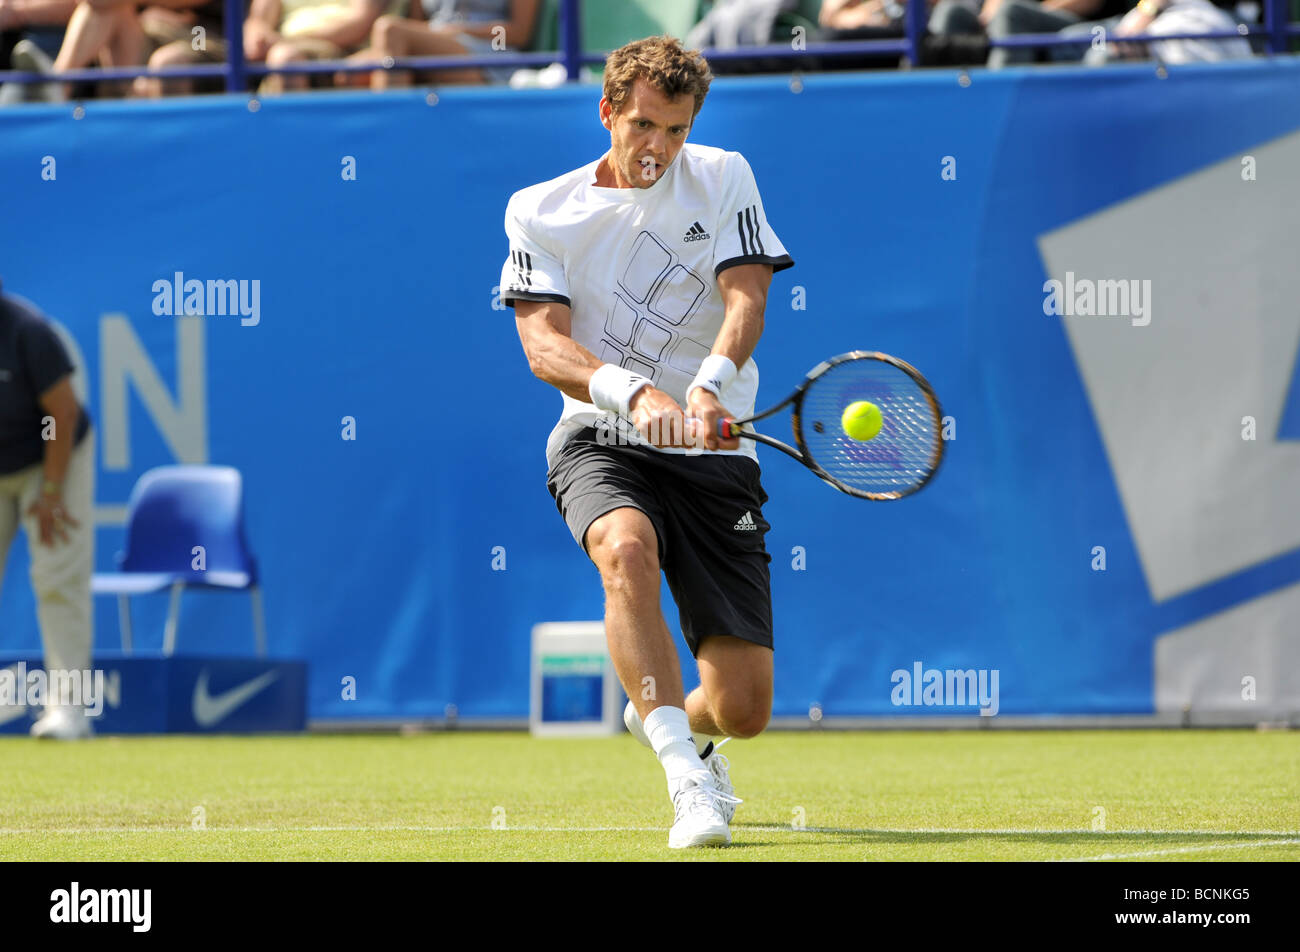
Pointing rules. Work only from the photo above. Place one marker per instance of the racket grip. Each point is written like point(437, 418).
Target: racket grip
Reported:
point(726, 430)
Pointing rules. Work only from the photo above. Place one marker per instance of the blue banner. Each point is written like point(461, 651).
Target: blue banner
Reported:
point(181, 694)
point(355, 362)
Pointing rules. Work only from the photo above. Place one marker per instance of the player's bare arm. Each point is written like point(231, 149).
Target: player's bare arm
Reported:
point(744, 298)
point(555, 357)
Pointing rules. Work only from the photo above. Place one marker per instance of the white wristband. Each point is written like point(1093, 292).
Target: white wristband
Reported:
point(612, 388)
point(715, 375)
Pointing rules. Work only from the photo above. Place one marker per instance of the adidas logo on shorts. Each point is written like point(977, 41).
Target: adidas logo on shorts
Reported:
point(696, 233)
point(746, 523)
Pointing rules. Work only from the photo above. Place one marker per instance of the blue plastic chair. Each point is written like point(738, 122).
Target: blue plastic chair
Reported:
point(172, 510)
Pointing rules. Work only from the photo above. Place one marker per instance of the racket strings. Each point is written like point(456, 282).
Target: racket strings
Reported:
point(902, 454)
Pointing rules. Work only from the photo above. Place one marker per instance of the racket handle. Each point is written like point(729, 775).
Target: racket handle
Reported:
point(727, 429)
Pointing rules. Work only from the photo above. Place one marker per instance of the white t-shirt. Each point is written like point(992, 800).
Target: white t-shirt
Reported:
point(638, 268)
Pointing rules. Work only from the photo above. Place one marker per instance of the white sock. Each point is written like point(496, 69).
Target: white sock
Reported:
point(702, 741)
point(669, 732)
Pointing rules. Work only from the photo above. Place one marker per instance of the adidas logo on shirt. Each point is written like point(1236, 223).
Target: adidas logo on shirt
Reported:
point(746, 523)
point(696, 233)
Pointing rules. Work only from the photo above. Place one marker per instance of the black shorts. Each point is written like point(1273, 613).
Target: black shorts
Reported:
point(707, 512)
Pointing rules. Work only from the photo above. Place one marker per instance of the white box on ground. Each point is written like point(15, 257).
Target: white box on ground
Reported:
point(575, 691)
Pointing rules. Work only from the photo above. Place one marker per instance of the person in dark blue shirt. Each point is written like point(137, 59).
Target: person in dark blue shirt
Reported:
point(47, 475)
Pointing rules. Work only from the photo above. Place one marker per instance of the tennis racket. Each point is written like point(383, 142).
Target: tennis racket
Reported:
point(897, 462)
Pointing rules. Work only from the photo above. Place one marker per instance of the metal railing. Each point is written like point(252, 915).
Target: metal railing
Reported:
point(237, 70)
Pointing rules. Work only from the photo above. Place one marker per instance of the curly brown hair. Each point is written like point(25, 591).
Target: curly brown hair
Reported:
point(664, 63)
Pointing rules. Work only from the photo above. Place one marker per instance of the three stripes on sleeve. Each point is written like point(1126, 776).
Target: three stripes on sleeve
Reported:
point(747, 224)
point(523, 263)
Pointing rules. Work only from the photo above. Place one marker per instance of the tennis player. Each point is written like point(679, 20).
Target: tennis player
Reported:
point(639, 283)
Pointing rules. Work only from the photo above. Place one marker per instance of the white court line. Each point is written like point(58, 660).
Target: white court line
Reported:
point(78, 831)
point(1245, 845)
point(1019, 832)
point(75, 831)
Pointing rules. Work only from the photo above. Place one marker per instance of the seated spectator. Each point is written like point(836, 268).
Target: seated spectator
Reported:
point(41, 22)
point(1080, 18)
point(735, 24)
point(294, 31)
point(1001, 18)
point(1166, 17)
point(454, 28)
point(863, 20)
point(731, 24)
point(957, 17)
point(106, 32)
point(110, 32)
point(117, 33)
point(176, 43)
point(1004, 18)
point(955, 35)
point(853, 15)
point(30, 34)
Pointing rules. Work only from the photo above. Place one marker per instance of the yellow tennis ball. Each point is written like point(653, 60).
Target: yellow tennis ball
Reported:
point(861, 420)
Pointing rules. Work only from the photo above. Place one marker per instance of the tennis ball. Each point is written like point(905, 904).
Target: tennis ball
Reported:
point(861, 420)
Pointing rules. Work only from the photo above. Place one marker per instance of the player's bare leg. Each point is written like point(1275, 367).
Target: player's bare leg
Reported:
point(624, 546)
point(625, 549)
point(734, 698)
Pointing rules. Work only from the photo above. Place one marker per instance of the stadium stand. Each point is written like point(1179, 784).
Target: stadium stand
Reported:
point(807, 37)
point(606, 26)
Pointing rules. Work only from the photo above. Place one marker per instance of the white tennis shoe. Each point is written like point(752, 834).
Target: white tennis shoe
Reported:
point(717, 764)
point(63, 723)
point(719, 767)
point(698, 818)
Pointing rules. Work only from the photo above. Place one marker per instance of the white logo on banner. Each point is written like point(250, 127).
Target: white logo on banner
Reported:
point(210, 709)
point(1202, 502)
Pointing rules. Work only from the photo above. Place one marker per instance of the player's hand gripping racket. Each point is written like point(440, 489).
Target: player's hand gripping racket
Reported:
point(895, 460)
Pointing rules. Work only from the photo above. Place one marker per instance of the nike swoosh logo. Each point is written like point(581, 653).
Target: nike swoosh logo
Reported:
point(208, 710)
